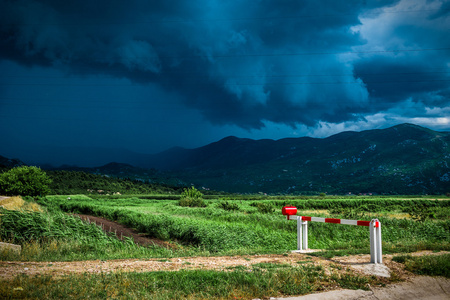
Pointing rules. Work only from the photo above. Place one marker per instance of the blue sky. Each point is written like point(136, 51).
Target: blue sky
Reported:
point(149, 75)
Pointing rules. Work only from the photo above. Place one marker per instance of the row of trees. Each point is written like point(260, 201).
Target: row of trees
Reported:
point(75, 182)
point(32, 181)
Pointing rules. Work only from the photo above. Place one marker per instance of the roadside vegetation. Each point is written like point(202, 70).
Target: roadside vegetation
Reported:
point(222, 227)
point(434, 265)
point(263, 282)
point(213, 225)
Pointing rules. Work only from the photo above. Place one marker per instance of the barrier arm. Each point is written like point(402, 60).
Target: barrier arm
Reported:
point(302, 231)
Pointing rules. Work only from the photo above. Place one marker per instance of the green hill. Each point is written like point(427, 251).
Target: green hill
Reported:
point(404, 159)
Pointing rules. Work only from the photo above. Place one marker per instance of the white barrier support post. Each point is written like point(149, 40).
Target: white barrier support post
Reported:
point(305, 234)
point(375, 242)
point(302, 234)
point(376, 253)
point(299, 233)
point(379, 250)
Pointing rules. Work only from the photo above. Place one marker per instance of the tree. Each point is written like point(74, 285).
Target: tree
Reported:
point(24, 181)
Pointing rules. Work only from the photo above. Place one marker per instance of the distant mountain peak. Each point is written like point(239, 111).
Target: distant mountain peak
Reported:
point(10, 162)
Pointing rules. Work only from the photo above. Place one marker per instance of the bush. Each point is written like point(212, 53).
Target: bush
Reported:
point(420, 213)
point(228, 205)
point(192, 198)
point(264, 208)
point(24, 181)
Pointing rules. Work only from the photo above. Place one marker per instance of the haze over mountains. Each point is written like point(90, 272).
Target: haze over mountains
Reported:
point(404, 159)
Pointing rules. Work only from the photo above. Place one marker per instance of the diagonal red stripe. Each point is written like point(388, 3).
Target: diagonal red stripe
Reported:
point(331, 220)
point(363, 223)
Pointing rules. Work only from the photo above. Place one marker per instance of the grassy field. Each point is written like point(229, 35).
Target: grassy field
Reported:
point(226, 226)
point(231, 225)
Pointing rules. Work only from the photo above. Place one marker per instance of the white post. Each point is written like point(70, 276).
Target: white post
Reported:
point(379, 250)
point(299, 233)
point(302, 234)
point(305, 235)
point(375, 242)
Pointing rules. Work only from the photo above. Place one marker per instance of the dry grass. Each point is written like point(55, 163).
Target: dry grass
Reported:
point(17, 203)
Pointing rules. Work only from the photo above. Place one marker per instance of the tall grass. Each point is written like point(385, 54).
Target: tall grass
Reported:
point(57, 236)
point(246, 230)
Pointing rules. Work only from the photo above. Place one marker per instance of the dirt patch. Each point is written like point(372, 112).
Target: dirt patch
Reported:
point(411, 287)
point(10, 269)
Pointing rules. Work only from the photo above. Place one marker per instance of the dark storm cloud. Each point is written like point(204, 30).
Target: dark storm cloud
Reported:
point(239, 62)
point(418, 75)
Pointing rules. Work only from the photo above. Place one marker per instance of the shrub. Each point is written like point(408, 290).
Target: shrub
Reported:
point(264, 208)
point(24, 181)
point(228, 205)
point(419, 213)
point(192, 197)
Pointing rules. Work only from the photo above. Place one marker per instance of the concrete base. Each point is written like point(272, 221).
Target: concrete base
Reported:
point(374, 269)
point(10, 247)
point(306, 251)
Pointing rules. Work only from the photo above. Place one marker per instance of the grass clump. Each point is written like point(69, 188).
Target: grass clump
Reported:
point(434, 265)
point(264, 208)
point(192, 197)
point(225, 205)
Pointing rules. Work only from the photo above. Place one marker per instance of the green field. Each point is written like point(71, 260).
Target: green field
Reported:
point(228, 225)
point(236, 226)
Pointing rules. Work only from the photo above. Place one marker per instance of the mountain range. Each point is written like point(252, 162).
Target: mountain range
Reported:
point(404, 159)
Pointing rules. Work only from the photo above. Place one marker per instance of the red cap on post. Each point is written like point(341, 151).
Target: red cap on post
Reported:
point(289, 211)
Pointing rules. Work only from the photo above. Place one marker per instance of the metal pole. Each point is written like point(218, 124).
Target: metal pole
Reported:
point(299, 233)
point(305, 235)
point(375, 242)
point(373, 249)
point(378, 238)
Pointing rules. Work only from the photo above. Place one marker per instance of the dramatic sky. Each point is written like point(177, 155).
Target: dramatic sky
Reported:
point(149, 75)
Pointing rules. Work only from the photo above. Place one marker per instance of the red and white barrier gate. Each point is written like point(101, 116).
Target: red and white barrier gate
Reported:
point(302, 231)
